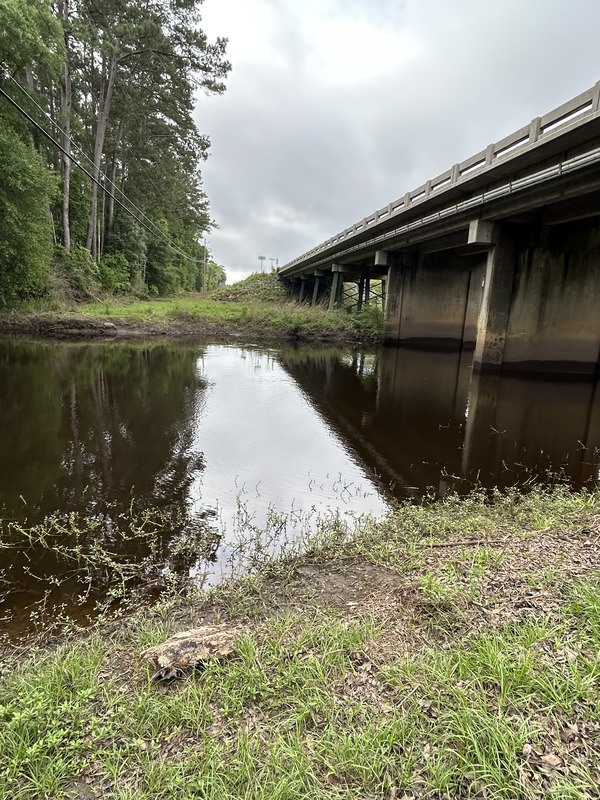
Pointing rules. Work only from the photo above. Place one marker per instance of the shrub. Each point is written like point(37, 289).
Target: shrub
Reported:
point(114, 273)
point(78, 269)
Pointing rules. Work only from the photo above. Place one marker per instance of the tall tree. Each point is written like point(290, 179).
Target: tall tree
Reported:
point(118, 78)
point(30, 50)
point(66, 96)
point(158, 44)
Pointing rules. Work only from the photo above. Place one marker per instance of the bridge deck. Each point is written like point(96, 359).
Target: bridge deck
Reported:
point(564, 141)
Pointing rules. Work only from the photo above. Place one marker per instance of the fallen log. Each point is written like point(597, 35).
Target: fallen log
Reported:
point(188, 649)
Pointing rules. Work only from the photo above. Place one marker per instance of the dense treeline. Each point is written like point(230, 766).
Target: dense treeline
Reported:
point(113, 83)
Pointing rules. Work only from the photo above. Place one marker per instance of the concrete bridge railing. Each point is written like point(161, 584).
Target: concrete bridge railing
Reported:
point(498, 257)
point(575, 112)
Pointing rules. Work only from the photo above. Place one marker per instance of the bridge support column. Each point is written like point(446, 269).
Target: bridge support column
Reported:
point(336, 286)
point(492, 325)
point(302, 290)
point(364, 288)
point(315, 295)
point(398, 264)
point(361, 292)
point(433, 300)
point(382, 260)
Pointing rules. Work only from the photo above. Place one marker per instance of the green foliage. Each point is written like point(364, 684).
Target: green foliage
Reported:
point(262, 287)
point(129, 239)
point(30, 36)
point(210, 277)
point(26, 190)
point(141, 66)
point(114, 273)
point(161, 273)
point(78, 269)
point(371, 318)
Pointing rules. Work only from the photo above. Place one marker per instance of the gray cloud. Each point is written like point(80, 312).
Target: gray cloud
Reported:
point(299, 152)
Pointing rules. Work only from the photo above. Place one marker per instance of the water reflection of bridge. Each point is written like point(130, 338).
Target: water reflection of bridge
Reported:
point(421, 419)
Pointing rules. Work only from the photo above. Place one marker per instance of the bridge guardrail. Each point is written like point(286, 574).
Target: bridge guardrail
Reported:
point(563, 167)
point(575, 111)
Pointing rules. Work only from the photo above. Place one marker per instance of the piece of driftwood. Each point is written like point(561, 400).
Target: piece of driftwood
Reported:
point(187, 649)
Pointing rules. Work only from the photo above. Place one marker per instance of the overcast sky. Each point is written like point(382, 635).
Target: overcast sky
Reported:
point(335, 108)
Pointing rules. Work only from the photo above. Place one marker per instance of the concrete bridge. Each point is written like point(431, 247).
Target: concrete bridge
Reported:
point(499, 255)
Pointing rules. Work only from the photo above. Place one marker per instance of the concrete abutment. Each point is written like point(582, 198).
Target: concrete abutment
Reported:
point(523, 297)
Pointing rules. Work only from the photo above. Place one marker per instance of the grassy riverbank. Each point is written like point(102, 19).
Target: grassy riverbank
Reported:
point(450, 650)
point(258, 306)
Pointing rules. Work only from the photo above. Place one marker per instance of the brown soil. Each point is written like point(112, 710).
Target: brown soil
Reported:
point(527, 581)
point(61, 328)
point(82, 329)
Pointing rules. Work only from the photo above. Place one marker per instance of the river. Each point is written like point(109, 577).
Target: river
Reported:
point(241, 450)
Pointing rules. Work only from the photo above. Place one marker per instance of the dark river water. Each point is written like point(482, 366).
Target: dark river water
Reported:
point(241, 450)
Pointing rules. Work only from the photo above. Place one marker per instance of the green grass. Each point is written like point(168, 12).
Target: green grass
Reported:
point(258, 306)
point(289, 319)
point(422, 696)
point(282, 720)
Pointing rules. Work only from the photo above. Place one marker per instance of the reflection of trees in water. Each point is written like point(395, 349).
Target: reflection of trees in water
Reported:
point(103, 432)
point(88, 425)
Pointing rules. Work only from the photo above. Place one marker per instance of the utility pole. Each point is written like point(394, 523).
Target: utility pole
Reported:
point(261, 259)
point(272, 260)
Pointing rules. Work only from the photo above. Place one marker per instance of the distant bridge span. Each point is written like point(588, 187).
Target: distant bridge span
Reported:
point(500, 253)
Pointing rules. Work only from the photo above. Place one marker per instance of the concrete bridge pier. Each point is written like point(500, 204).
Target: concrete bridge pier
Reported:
point(319, 274)
point(519, 220)
point(493, 317)
point(337, 285)
point(433, 300)
point(364, 287)
point(302, 294)
point(524, 296)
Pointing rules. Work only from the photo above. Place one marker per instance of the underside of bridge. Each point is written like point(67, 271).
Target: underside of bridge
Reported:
point(521, 294)
point(518, 289)
point(498, 257)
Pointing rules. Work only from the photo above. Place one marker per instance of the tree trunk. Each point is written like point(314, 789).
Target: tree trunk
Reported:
point(65, 124)
point(110, 213)
point(103, 115)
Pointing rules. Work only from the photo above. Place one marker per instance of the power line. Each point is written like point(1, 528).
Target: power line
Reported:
point(158, 233)
point(85, 155)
